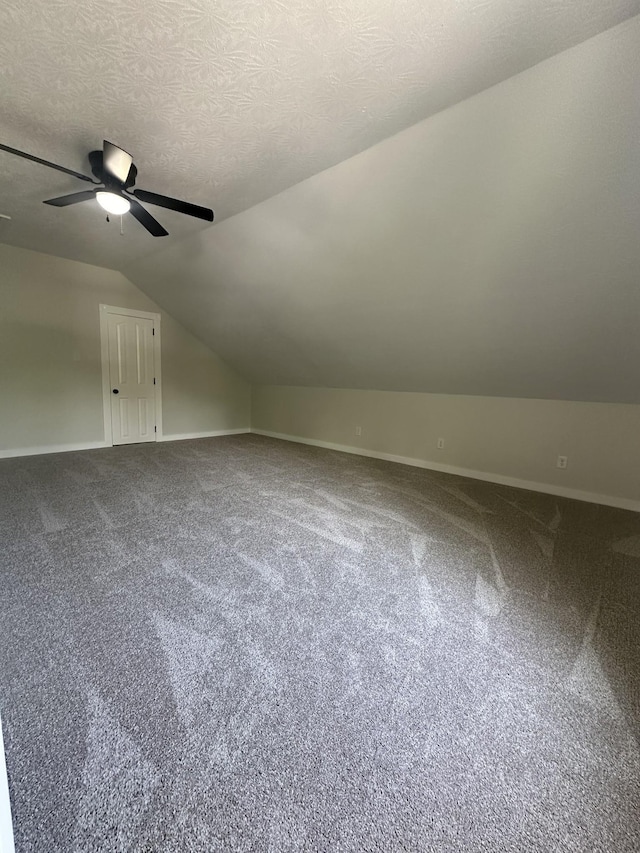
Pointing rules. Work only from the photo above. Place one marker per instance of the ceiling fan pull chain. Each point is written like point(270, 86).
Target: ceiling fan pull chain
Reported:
point(121, 229)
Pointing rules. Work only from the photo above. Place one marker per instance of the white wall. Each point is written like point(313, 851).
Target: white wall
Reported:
point(497, 437)
point(50, 369)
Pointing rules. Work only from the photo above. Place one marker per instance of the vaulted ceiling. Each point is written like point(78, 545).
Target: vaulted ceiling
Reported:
point(227, 102)
point(488, 248)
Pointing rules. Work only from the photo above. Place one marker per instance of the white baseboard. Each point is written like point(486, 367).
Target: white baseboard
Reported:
point(51, 448)
point(92, 445)
point(546, 488)
point(6, 826)
point(210, 434)
point(500, 479)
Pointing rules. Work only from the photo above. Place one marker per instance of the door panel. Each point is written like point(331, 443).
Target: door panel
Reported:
point(131, 372)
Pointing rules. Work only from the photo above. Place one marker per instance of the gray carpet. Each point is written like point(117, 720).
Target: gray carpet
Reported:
point(242, 644)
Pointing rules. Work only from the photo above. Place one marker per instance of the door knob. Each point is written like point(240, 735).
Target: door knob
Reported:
point(115, 391)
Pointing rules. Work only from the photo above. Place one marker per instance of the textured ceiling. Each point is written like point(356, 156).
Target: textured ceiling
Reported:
point(228, 102)
point(491, 249)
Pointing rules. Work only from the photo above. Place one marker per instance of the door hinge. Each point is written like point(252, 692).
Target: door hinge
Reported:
point(154, 380)
point(155, 429)
point(153, 331)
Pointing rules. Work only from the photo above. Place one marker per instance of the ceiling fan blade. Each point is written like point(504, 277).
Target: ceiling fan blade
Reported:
point(145, 218)
point(45, 163)
point(175, 204)
point(74, 198)
point(115, 161)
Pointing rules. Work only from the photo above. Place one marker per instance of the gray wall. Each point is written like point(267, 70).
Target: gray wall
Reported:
point(50, 368)
point(504, 437)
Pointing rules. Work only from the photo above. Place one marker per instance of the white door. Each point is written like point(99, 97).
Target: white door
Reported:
point(131, 375)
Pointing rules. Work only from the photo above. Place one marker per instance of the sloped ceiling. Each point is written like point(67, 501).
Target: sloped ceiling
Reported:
point(493, 249)
point(228, 102)
point(489, 249)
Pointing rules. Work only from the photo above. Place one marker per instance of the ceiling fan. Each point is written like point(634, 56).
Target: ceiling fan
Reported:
point(116, 175)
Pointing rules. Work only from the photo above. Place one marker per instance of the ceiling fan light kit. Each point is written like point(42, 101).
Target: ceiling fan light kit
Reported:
point(113, 203)
point(115, 175)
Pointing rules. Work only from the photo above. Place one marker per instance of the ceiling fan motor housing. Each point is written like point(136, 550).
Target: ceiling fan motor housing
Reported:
point(109, 180)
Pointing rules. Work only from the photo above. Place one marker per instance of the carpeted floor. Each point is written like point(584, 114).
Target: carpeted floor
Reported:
point(240, 644)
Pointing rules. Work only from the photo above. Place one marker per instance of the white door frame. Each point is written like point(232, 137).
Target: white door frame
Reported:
point(105, 311)
point(6, 825)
